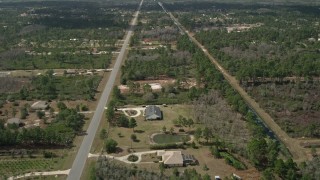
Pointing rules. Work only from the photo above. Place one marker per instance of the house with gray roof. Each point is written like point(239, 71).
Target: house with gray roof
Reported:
point(153, 113)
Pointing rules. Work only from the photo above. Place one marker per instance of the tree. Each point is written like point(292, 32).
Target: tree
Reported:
point(116, 93)
point(206, 133)
point(24, 93)
point(190, 123)
point(14, 112)
point(103, 133)
point(149, 96)
point(198, 134)
point(171, 130)
point(206, 177)
point(147, 88)
point(132, 123)
point(40, 114)
point(257, 151)
point(61, 106)
point(133, 137)
point(123, 121)
point(215, 152)
point(161, 167)
point(164, 129)
point(111, 146)
point(23, 113)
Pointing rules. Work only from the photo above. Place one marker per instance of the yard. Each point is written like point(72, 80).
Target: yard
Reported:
point(144, 129)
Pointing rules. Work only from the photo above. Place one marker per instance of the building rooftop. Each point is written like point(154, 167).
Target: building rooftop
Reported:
point(153, 112)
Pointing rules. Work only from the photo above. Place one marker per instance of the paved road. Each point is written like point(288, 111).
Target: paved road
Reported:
point(80, 160)
point(299, 153)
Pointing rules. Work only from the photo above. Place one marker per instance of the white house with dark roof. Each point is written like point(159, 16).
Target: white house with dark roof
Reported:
point(153, 113)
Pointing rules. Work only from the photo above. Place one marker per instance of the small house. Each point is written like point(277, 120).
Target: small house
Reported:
point(153, 113)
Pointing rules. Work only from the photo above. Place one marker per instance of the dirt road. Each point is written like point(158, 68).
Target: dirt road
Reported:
point(299, 153)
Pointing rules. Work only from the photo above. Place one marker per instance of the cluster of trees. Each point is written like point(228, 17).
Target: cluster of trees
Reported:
point(183, 122)
point(154, 64)
point(60, 132)
point(50, 87)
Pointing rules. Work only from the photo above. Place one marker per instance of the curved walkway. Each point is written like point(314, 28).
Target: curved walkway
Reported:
point(132, 109)
point(125, 158)
point(49, 173)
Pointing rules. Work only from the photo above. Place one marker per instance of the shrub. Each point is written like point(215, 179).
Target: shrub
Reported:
point(166, 146)
point(84, 108)
point(1, 103)
point(49, 154)
point(133, 158)
point(40, 114)
point(231, 160)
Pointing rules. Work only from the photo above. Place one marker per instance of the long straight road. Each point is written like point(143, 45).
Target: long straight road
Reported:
point(298, 152)
point(82, 155)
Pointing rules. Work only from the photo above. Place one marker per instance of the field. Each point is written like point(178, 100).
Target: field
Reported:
point(14, 166)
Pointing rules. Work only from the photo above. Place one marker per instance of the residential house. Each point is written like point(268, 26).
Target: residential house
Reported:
point(153, 113)
point(171, 158)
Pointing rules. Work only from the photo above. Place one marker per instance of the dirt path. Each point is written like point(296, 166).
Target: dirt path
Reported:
point(49, 173)
point(298, 152)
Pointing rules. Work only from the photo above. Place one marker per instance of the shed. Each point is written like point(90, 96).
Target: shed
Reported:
point(153, 113)
point(40, 105)
point(17, 121)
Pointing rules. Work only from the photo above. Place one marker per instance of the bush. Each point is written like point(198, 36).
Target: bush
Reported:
point(231, 160)
point(133, 158)
point(166, 146)
point(49, 154)
point(1, 103)
point(111, 146)
point(84, 108)
point(40, 114)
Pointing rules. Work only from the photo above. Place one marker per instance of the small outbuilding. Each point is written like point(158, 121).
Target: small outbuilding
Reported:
point(153, 113)
point(16, 121)
point(40, 105)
